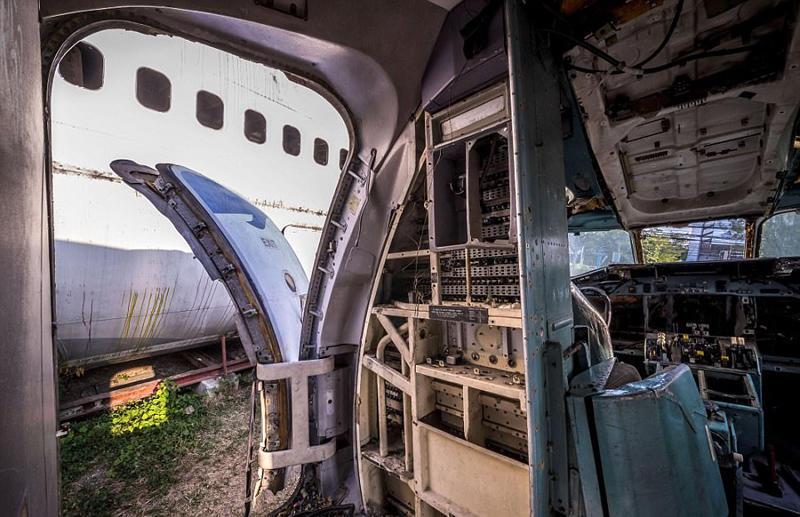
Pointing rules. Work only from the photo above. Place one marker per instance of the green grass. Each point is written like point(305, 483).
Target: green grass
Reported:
point(136, 444)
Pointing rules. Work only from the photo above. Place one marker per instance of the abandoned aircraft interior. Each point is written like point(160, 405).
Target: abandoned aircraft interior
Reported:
point(441, 359)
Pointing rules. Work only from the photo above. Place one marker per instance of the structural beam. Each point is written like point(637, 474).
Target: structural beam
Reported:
point(543, 253)
point(394, 334)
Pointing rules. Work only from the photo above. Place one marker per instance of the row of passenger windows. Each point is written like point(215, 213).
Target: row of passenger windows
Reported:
point(83, 66)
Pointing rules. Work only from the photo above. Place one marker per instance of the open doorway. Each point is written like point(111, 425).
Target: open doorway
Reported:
point(134, 307)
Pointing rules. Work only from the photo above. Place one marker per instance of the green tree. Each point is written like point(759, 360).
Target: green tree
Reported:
point(658, 247)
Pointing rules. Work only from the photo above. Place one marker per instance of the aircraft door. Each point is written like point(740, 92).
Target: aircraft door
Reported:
point(238, 244)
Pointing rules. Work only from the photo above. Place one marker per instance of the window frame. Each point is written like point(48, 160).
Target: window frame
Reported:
point(262, 119)
point(631, 241)
point(102, 66)
point(138, 92)
point(318, 144)
point(760, 231)
point(640, 237)
point(212, 97)
point(285, 145)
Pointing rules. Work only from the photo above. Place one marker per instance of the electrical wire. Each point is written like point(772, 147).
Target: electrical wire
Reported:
point(680, 61)
point(619, 66)
point(667, 36)
point(616, 63)
point(590, 70)
point(700, 55)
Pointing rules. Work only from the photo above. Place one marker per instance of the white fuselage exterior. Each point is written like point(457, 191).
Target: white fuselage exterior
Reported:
point(124, 277)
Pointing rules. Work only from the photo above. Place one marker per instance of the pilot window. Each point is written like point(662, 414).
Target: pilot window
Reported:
point(320, 151)
point(291, 140)
point(153, 89)
point(592, 250)
point(83, 66)
point(342, 157)
point(255, 127)
point(780, 235)
point(210, 110)
point(695, 242)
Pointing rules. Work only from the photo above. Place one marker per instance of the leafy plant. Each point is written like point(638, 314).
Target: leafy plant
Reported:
point(658, 247)
point(138, 442)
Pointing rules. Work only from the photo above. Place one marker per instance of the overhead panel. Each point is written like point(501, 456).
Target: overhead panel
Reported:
point(699, 130)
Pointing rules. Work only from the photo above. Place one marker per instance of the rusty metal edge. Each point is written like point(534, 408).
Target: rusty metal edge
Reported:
point(109, 399)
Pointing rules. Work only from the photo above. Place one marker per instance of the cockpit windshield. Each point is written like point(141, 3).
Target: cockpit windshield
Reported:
point(780, 235)
point(695, 242)
point(592, 250)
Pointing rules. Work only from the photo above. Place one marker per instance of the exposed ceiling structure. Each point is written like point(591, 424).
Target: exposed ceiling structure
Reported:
point(701, 129)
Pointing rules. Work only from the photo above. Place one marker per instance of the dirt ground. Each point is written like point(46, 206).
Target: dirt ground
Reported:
point(212, 481)
point(209, 479)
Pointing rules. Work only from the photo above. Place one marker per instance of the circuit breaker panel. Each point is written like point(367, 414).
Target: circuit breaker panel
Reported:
point(442, 384)
point(471, 202)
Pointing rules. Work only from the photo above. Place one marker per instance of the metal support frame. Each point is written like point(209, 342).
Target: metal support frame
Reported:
point(544, 259)
point(398, 379)
point(124, 356)
point(300, 451)
point(116, 397)
point(750, 238)
point(395, 336)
